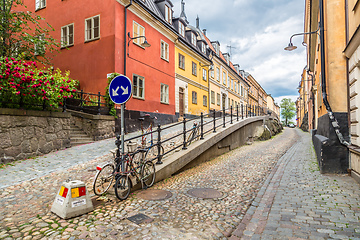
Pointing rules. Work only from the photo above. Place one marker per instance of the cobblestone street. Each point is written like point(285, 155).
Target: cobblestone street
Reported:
point(270, 190)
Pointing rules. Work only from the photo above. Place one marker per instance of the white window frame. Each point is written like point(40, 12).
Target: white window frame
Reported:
point(138, 30)
point(168, 14)
point(91, 31)
point(40, 4)
point(39, 50)
point(181, 61)
point(193, 39)
point(182, 29)
point(218, 74)
point(194, 68)
point(212, 97)
point(203, 48)
point(194, 97)
point(204, 74)
point(164, 93)
point(205, 103)
point(212, 73)
point(164, 50)
point(67, 38)
point(224, 78)
point(138, 91)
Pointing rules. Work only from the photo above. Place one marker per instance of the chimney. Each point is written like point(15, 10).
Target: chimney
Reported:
point(197, 22)
point(204, 31)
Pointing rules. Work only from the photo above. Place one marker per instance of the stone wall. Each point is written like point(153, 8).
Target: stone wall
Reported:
point(27, 133)
point(98, 127)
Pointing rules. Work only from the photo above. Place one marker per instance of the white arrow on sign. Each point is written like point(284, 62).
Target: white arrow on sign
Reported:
point(125, 90)
point(114, 92)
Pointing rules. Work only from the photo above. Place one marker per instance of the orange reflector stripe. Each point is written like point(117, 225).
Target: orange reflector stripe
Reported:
point(75, 192)
point(63, 191)
point(82, 191)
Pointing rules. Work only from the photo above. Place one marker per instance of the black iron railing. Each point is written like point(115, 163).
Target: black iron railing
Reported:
point(177, 137)
point(87, 102)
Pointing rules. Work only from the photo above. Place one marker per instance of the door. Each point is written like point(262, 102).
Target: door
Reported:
point(181, 102)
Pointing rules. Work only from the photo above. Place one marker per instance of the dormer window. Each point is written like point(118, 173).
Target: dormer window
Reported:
point(193, 39)
point(203, 48)
point(182, 29)
point(168, 14)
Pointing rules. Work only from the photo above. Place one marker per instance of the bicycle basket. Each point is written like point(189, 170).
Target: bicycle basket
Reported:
point(131, 147)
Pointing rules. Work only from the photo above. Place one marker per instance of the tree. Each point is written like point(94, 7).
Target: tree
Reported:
point(288, 109)
point(22, 34)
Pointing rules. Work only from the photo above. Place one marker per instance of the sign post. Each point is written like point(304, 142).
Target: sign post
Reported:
point(120, 90)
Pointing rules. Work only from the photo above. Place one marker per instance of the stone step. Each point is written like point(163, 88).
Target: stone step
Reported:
point(78, 136)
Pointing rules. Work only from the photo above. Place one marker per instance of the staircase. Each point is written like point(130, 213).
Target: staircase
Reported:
point(78, 136)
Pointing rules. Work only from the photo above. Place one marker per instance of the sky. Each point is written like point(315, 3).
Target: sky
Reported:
point(257, 31)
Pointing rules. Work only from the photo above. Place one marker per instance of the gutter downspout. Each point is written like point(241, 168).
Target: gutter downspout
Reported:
point(333, 120)
point(125, 34)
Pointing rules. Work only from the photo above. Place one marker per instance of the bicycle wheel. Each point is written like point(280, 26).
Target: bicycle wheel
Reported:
point(148, 173)
point(103, 179)
point(137, 158)
point(153, 151)
point(122, 187)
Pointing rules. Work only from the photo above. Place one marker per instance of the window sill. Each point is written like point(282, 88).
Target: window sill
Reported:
point(67, 46)
point(38, 9)
point(139, 98)
point(165, 103)
point(167, 60)
point(91, 40)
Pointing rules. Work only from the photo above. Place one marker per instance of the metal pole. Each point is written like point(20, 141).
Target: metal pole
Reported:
point(122, 138)
point(99, 103)
point(214, 121)
point(159, 145)
point(202, 127)
point(184, 133)
point(223, 117)
point(231, 113)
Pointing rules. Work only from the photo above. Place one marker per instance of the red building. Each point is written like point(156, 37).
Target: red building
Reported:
point(96, 40)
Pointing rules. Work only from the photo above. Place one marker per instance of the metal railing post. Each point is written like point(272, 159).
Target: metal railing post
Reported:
point(231, 113)
point(184, 133)
point(242, 111)
point(224, 117)
point(99, 103)
point(214, 121)
point(202, 126)
point(246, 111)
point(237, 112)
point(159, 156)
point(81, 101)
point(64, 104)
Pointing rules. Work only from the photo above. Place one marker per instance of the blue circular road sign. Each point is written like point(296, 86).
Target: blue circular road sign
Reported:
point(120, 89)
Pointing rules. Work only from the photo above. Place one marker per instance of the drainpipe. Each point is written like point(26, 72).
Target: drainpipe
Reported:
point(125, 34)
point(333, 120)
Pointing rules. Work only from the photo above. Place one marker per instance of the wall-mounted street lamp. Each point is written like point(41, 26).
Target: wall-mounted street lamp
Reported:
point(144, 44)
point(291, 47)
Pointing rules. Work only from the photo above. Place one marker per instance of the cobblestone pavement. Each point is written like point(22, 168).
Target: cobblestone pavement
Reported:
point(297, 202)
point(256, 182)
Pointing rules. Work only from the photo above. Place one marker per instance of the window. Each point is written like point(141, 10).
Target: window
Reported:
point(204, 75)
point(181, 61)
point(39, 47)
point(218, 99)
point(229, 102)
point(168, 14)
point(232, 102)
point(194, 68)
point(193, 39)
point(217, 74)
point(224, 78)
point(229, 86)
point(203, 48)
point(92, 28)
point(138, 86)
point(164, 50)
point(212, 97)
point(40, 4)
point(242, 91)
point(182, 29)
point(204, 100)
point(138, 31)
point(67, 35)
point(164, 93)
point(212, 73)
point(194, 97)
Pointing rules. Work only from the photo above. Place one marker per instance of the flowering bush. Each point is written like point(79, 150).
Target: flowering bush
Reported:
point(23, 84)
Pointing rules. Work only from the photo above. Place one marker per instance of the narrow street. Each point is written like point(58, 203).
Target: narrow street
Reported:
point(268, 190)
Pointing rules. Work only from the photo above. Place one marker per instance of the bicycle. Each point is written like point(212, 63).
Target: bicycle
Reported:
point(144, 173)
point(105, 174)
point(152, 149)
point(194, 134)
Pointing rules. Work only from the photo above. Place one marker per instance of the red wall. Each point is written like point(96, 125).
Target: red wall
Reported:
point(147, 63)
